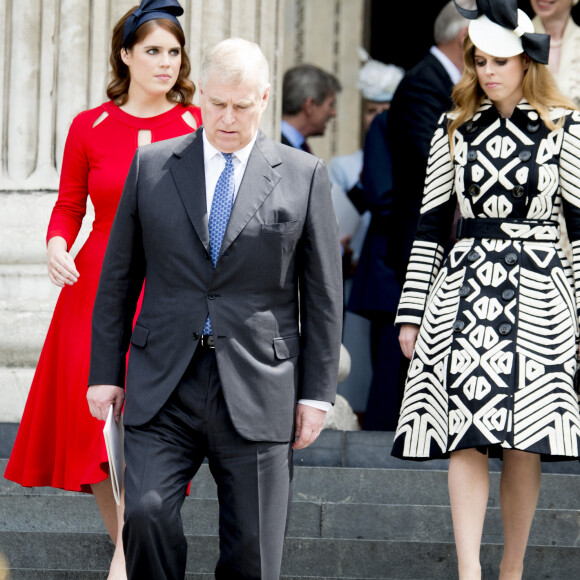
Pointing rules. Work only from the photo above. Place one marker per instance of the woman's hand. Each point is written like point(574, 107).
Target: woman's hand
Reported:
point(61, 266)
point(408, 338)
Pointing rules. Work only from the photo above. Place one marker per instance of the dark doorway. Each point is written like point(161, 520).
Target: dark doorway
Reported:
point(401, 32)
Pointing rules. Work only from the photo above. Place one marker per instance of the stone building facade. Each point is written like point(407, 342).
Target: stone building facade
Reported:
point(53, 64)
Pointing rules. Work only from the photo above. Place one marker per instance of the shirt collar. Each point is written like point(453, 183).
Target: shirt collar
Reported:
point(292, 134)
point(209, 151)
point(453, 72)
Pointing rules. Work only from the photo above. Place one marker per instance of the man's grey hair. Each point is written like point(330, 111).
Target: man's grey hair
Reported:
point(449, 22)
point(236, 60)
point(306, 81)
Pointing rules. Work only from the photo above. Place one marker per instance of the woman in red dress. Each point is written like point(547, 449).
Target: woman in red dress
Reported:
point(59, 443)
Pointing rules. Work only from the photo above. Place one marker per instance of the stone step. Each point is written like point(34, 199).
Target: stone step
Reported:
point(361, 486)
point(365, 449)
point(303, 557)
point(408, 523)
point(30, 574)
point(14, 387)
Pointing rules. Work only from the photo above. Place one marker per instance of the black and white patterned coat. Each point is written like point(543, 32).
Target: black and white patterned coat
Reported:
point(495, 357)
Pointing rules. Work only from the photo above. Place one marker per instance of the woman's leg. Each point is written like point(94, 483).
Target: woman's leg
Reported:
point(519, 490)
point(468, 491)
point(112, 515)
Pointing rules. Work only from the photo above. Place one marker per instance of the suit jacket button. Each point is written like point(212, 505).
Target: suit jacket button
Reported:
point(473, 256)
point(458, 326)
point(533, 127)
point(195, 336)
point(518, 191)
point(472, 155)
point(211, 295)
point(525, 155)
point(511, 259)
point(464, 290)
point(474, 189)
point(508, 294)
point(505, 328)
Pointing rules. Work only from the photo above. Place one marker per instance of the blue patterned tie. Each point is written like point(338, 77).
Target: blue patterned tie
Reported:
point(221, 207)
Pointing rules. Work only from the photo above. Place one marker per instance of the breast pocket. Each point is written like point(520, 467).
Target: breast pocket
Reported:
point(281, 227)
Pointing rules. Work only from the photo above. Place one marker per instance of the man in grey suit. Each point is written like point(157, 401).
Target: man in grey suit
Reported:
point(234, 355)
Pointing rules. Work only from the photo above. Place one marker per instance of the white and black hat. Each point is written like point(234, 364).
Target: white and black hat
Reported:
point(498, 28)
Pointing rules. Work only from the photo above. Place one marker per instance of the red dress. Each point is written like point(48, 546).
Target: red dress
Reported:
point(59, 443)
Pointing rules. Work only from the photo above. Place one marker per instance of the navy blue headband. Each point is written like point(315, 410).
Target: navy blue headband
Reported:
point(505, 13)
point(149, 10)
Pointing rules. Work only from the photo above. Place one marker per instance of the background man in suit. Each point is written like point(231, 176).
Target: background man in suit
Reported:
point(225, 363)
point(421, 98)
point(308, 103)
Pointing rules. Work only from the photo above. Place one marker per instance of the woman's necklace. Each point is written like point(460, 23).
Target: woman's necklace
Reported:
point(556, 43)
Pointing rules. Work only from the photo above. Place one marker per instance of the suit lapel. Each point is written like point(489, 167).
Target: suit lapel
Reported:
point(189, 176)
point(259, 180)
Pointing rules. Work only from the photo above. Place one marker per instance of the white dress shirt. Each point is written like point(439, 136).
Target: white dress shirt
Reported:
point(214, 163)
point(453, 72)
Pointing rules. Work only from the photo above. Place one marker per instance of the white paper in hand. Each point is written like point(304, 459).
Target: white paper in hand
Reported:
point(114, 441)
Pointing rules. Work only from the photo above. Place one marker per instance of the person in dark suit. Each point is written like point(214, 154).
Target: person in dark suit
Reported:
point(234, 356)
point(395, 160)
point(422, 97)
point(308, 103)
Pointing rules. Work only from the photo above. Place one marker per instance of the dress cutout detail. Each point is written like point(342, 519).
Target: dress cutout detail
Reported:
point(59, 443)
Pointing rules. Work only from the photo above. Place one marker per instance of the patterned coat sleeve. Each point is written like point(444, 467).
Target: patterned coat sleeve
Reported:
point(570, 187)
point(436, 218)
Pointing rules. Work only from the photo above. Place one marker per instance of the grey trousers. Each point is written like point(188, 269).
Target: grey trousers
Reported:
point(162, 456)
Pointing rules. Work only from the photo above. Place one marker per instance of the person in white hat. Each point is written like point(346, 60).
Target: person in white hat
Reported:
point(377, 82)
point(492, 329)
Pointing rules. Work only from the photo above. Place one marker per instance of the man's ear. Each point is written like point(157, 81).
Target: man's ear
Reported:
point(308, 105)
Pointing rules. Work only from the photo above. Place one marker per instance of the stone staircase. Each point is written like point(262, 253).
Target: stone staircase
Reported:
point(350, 520)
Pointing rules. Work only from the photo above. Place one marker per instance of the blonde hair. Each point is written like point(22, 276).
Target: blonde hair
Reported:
point(538, 87)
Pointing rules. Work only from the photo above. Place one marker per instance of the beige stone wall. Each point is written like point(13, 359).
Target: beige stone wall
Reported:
point(326, 33)
point(54, 64)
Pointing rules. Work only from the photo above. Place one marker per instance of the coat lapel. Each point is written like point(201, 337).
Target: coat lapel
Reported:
point(188, 173)
point(259, 180)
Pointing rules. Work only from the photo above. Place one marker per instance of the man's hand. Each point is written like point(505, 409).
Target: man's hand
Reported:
point(101, 397)
point(309, 423)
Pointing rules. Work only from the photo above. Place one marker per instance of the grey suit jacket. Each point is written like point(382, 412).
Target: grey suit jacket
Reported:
point(275, 296)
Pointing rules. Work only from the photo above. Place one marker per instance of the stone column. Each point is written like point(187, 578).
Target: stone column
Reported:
point(54, 64)
point(326, 33)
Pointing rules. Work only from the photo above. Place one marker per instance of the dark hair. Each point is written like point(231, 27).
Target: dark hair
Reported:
point(117, 90)
point(306, 81)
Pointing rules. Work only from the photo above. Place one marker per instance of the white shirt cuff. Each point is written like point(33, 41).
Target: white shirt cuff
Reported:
point(322, 405)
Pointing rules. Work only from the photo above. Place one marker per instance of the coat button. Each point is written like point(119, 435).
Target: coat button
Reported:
point(518, 191)
point(472, 155)
point(474, 189)
point(508, 294)
point(471, 127)
point(211, 295)
point(458, 326)
point(505, 328)
point(511, 259)
point(195, 336)
point(525, 155)
point(464, 290)
point(473, 256)
point(533, 127)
